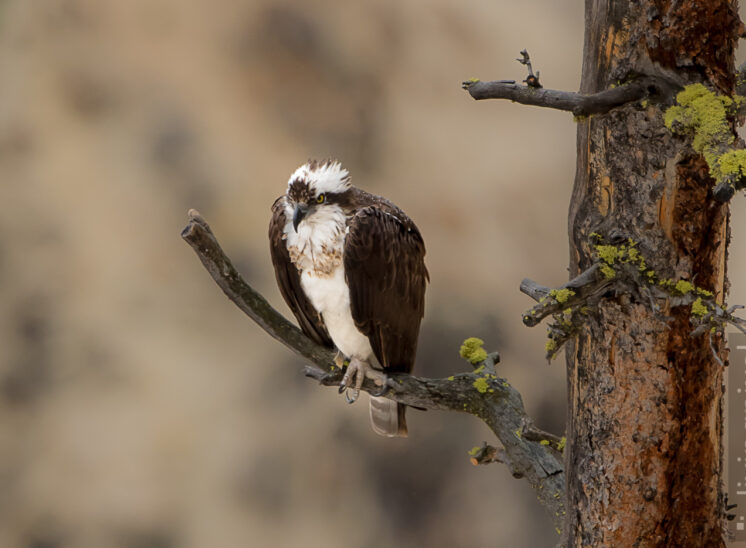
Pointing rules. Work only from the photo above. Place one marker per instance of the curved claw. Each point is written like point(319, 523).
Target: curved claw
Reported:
point(352, 399)
point(357, 371)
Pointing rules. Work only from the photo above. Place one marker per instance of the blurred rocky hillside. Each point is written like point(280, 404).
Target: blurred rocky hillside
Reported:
point(138, 407)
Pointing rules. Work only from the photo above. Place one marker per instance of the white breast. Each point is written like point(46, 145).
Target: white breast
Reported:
point(317, 250)
point(331, 296)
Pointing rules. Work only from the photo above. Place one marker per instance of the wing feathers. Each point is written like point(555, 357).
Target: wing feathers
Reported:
point(385, 270)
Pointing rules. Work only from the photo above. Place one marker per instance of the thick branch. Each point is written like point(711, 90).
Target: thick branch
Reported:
point(198, 235)
point(479, 393)
point(578, 104)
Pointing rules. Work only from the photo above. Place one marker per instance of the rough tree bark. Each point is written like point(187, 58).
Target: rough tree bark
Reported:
point(644, 457)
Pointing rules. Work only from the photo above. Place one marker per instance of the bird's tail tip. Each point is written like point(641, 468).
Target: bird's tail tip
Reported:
point(388, 418)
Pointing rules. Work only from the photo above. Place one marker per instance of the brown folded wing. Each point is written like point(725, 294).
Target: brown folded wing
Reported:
point(385, 271)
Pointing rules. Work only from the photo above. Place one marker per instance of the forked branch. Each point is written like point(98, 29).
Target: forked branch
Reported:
point(480, 393)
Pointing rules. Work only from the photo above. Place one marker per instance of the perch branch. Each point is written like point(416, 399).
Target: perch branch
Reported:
point(480, 393)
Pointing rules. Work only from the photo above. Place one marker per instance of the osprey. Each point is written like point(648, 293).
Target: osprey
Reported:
point(351, 267)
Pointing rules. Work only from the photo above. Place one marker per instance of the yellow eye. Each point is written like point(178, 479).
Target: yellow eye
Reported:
point(320, 198)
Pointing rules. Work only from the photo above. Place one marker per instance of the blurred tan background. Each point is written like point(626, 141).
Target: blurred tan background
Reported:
point(138, 407)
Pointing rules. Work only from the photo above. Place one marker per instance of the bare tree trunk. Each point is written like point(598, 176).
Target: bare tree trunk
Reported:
point(644, 452)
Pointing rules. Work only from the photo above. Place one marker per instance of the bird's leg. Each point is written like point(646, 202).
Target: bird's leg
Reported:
point(355, 375)
point(339, 359)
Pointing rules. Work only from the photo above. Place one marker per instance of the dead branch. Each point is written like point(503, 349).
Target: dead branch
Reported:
point(625, 269)
point(570, 101)
point(580, 105)
point(480, 393)
point(487, 454)
point(552, 301)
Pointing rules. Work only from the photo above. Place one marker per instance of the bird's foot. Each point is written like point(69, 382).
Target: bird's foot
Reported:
point(354, 377)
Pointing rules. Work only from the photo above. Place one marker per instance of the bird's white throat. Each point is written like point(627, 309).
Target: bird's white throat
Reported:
point(318, 243)
point(316, 249)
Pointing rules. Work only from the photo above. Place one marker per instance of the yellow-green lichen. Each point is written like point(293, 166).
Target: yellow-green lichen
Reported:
point(562, 443)
point(699, 309)
point(481, 385)
point(608, 271)
point(474, 451)
point(607, 253)
point(471, 350)
point(705, 115)
point(451, 378)
point(684, 286)
point(550, 346)
point(731, 165)
point(704, 292)
point(517, 433)
point(561, 295)
point(544, 442)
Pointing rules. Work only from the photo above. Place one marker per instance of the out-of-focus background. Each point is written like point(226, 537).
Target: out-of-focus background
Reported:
point(138, 407)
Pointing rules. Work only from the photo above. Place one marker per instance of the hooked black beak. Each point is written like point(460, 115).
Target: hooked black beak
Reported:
point(301, 210)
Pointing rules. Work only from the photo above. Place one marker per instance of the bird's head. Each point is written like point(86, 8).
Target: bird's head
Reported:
point(316, 187)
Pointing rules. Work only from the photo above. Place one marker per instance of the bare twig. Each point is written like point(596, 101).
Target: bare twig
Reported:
point(480, 393)
point(578, 104)
point(532, 80)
